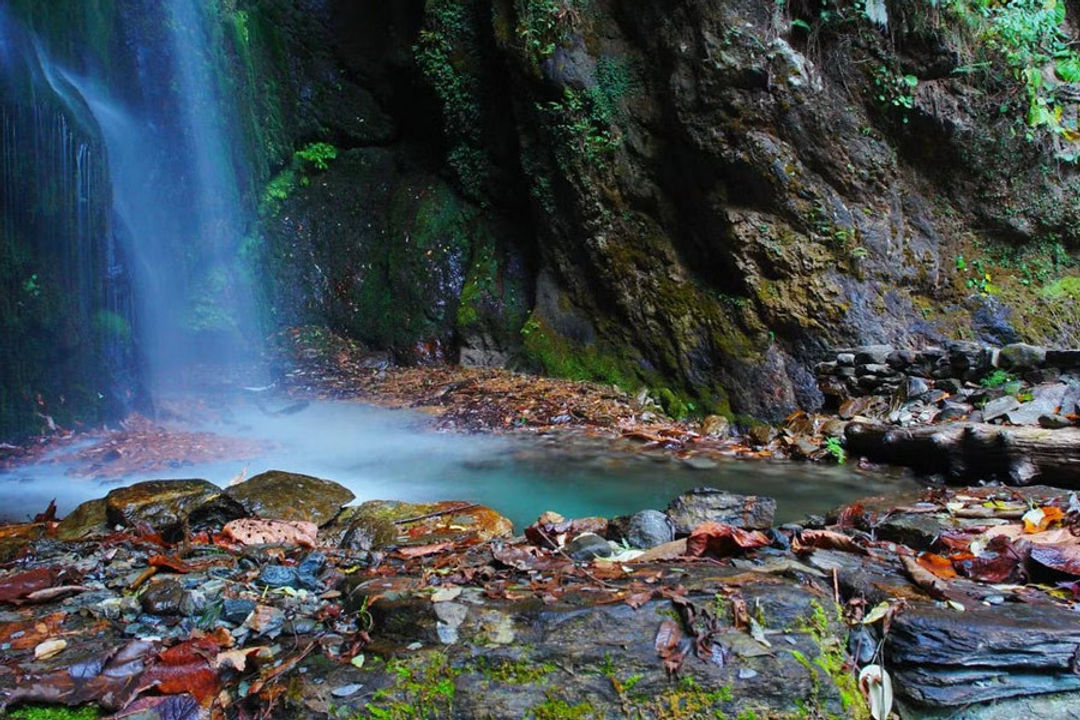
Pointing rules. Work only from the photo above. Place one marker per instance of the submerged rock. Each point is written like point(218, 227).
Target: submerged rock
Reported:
point(704, 504)
point(168, 505)
point(291, 496)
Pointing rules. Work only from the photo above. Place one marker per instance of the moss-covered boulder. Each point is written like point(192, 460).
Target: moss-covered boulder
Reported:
point(282, 495)
point(170, 507)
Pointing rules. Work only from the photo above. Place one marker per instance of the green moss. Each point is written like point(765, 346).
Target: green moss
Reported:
point(556, 708)
point(560, 357)
point(514, 672)
point(423, 687)
point(1064, 287)
point(52, 712)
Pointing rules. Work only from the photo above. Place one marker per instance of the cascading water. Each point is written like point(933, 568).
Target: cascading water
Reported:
point(174, 163)
point(64, 299)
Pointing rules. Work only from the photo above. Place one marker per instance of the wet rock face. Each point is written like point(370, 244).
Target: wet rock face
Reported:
point(949, 660)
point(702, 505)
point(290, 496)
point(86, 520)
point(649, 528)
point(168, 506)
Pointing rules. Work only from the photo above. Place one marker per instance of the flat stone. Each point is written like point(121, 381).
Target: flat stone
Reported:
point(277, 576)
point(945, 658)
point(1046, 399)
point(1054, 422)
point(996, 408)
point(236, 610)
point(872, 354)
point(845, 358)
point(915, 387)
point(703, 504)
point(168, 505)
point(290, 496)
point(402, 523)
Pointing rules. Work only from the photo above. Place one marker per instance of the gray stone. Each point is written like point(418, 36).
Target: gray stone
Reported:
point(1045, 401)
point(845, 358)
point(1054, 422)
point(954, 411)
point(236, 610)
point(872, 354)
point(996, 408)
point(1064, 359)
point(277, 576)
point(877, 369)
point(901, 359)
point(1070, 401)
point(1021, 356)
point(945, 658)
point(825, 368)
point(915, 387)
point(701, 505)
point(587, 546)
point(649, 528)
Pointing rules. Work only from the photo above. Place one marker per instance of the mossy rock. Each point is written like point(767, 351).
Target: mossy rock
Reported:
point(281, 495)
point(171, 506)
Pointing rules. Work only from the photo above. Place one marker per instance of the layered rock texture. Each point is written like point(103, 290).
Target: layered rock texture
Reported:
point(697, 197)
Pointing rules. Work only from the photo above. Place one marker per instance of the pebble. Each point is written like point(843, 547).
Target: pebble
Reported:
point(163, 598)
point(277, 576)
point(649, 528)
point(747, 673)
point(236, 610)
point(347, 690)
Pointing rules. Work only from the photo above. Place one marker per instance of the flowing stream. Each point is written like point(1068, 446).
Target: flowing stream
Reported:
point(389, 454)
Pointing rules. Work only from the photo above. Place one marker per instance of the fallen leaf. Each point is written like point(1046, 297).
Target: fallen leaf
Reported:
point(807, 540)
point(667, 551)
point(1038, 519)
point(422, 550)
point(446, 593)
point(940, 566)
point(256, 531)
point(876, 686)
point(49, 648)
point(880, 611)
point(926, 580)
point(237, 659)
point(723, 540)
point(172, 563)
point(1062, 558)
point(15, 587)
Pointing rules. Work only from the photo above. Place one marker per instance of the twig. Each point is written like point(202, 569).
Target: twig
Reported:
point(437, 513)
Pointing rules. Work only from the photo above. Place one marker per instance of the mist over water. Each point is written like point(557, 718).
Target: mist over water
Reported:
point(393, 455)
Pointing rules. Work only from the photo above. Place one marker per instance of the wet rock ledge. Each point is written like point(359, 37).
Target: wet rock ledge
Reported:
point(177, 599)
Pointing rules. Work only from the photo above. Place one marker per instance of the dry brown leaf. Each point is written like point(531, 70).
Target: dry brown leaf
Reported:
point(256, 531)
point(723, 540)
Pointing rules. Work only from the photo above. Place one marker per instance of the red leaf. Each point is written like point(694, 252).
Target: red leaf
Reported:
point(423, 550)
point(723, 540)
point(15, 588)
point(172, 563)
point(1063, 558)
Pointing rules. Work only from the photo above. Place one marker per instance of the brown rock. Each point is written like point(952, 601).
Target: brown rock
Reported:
point(167, 505)
point(290, 496)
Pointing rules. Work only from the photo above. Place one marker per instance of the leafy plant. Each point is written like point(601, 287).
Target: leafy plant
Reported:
point(835, 449)
point(997, 378)
point(895, 90)
point(318, 154)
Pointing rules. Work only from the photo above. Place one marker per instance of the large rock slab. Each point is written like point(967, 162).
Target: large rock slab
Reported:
point(169, 505)
point(704, 504)
point(946, 658)
point(85, 521)
point(291, 496)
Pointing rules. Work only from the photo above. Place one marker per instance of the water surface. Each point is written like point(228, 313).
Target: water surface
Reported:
point(393, 454)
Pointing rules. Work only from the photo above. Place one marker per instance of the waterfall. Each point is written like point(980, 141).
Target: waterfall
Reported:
point(123, 218)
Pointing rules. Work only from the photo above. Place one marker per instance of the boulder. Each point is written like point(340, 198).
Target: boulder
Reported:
point(290, 496)
point(704, 504)
point(87, 520)
point(168, 505)
point(1021, 356)
point(587, 546)
point(649, 528)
